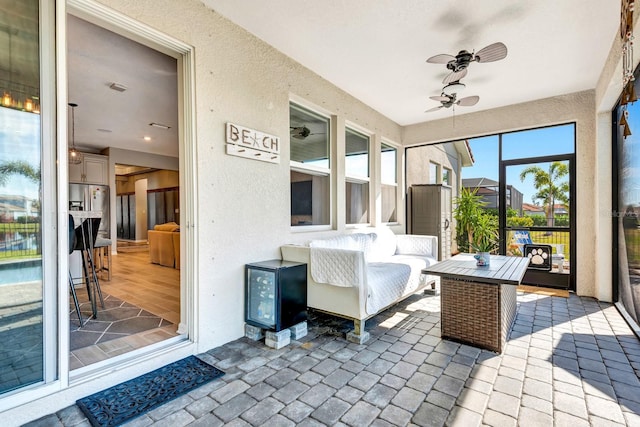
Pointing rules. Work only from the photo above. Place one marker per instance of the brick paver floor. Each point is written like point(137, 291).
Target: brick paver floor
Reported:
point(569, 362)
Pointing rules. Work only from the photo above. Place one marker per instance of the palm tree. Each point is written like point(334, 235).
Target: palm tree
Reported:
point(18, 167)
point(549, 189)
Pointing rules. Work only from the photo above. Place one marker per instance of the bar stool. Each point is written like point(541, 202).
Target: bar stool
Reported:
point(85, 240)
point(102, 254)
point(72, 244)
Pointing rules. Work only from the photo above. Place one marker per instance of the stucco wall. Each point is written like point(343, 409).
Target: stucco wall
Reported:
point(243, 205)
point(576, 107)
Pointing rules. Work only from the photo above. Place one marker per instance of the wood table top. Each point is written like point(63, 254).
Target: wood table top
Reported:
point(502, 269)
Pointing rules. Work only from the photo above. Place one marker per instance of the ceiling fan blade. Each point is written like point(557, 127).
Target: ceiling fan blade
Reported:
point(441, 59)
point(454, 76)
point(434, 109)
point(440, 98)
point(493, 52)
point(468, 101)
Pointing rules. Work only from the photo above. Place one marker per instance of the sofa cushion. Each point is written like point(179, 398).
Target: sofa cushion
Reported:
point(355, 242)
point(416, 263)
point(387, 282)
point(416, 245)
point(383, 245)
point(169, 226)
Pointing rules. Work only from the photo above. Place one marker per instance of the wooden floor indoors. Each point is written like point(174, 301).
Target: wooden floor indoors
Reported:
point(151, 287)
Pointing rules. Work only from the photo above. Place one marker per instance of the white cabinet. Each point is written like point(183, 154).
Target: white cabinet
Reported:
point(91, 170)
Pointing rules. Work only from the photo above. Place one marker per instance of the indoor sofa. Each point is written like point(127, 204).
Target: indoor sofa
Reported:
point(164, 245)
point(358, 275)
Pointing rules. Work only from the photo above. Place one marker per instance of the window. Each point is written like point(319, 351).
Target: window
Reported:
point(434, 172)
point(446, 176)
point(357, 177)
point(310, 167)
point(389, 183)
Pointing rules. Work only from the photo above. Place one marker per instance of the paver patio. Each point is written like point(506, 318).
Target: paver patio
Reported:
point(569, 362)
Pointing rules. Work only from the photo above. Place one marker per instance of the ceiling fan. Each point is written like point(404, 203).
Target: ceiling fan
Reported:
point(301, 132)
point(458, 64)
point(448, 101)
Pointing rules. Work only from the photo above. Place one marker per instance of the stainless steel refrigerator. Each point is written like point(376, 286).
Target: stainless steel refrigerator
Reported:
point(92, 197)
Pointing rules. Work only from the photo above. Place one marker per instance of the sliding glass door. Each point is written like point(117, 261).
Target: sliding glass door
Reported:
point(22, 337)
point(626, 209)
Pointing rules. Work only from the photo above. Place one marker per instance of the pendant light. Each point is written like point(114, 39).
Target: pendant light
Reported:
point(75, 157)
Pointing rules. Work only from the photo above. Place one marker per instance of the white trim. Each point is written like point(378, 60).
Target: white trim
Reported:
point(184, 53)
point(51, 269)
point(307, 105)
point(61, 391)
point(309, 169)
point(310, 228)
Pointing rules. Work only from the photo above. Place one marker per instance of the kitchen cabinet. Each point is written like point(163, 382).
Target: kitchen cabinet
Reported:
point(91, 170)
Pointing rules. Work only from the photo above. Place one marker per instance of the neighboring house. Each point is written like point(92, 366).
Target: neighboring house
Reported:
point(14, 206)
point(532, 210)
point(440, 164)
point(560, 209)
point(488, 190)
point(535, 210)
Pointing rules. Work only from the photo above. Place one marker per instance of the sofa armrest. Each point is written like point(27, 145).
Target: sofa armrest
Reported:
point(414, 244)
point(338, 267)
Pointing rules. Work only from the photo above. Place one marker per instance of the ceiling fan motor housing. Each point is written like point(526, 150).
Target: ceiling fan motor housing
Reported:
point(463, 58)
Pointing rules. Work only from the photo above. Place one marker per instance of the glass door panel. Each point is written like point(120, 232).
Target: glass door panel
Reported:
point(21, 268)
point(627, 211)
point(538, 212)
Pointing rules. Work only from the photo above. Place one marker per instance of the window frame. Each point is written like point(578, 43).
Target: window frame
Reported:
point(311, 169)
point(449, 175)
point(390, 184)
point(438, 177)
point(358, 179)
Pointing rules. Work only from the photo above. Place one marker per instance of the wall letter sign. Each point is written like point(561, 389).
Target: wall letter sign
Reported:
point(252, 144)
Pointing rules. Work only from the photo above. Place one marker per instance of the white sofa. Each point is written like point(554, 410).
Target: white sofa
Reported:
point(358, 275)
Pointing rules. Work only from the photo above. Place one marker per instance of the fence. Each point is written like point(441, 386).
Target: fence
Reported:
point(18, 240)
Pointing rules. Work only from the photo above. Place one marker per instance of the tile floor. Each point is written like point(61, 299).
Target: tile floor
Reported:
point(569, 362)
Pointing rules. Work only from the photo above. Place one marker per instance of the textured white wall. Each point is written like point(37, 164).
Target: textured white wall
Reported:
point(243, 205)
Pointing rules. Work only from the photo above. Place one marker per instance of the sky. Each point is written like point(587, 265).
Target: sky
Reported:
point(516, 145)
point(20, 136)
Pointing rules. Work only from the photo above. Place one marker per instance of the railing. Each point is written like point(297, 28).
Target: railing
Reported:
point(18, 240)
point(559, 240)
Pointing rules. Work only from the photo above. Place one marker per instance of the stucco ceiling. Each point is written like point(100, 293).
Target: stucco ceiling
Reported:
point(109, 118)
point(376, 51)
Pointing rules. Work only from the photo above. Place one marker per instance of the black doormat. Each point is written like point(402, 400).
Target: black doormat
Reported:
point(123, 402)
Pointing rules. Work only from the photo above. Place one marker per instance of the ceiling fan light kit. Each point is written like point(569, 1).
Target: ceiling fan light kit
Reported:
point(452, 88)
point(458, 65)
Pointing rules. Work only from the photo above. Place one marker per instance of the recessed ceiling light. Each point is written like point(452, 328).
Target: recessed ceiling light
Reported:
point(147, 138)
point(159, 125)
point(118, 87)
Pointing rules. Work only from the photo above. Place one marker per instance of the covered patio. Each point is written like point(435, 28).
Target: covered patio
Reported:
point(568, 361)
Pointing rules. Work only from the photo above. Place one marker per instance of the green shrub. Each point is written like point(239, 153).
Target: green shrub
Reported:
point(520, 221)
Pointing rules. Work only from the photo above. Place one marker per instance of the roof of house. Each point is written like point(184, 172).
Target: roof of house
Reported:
point(532, 208)
point(479, 182)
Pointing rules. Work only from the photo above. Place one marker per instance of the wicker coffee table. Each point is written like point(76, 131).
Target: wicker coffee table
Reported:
point(478, 304)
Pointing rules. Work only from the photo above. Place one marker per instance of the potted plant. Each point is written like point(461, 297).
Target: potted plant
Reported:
point(485, 239)
point(476, 227)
